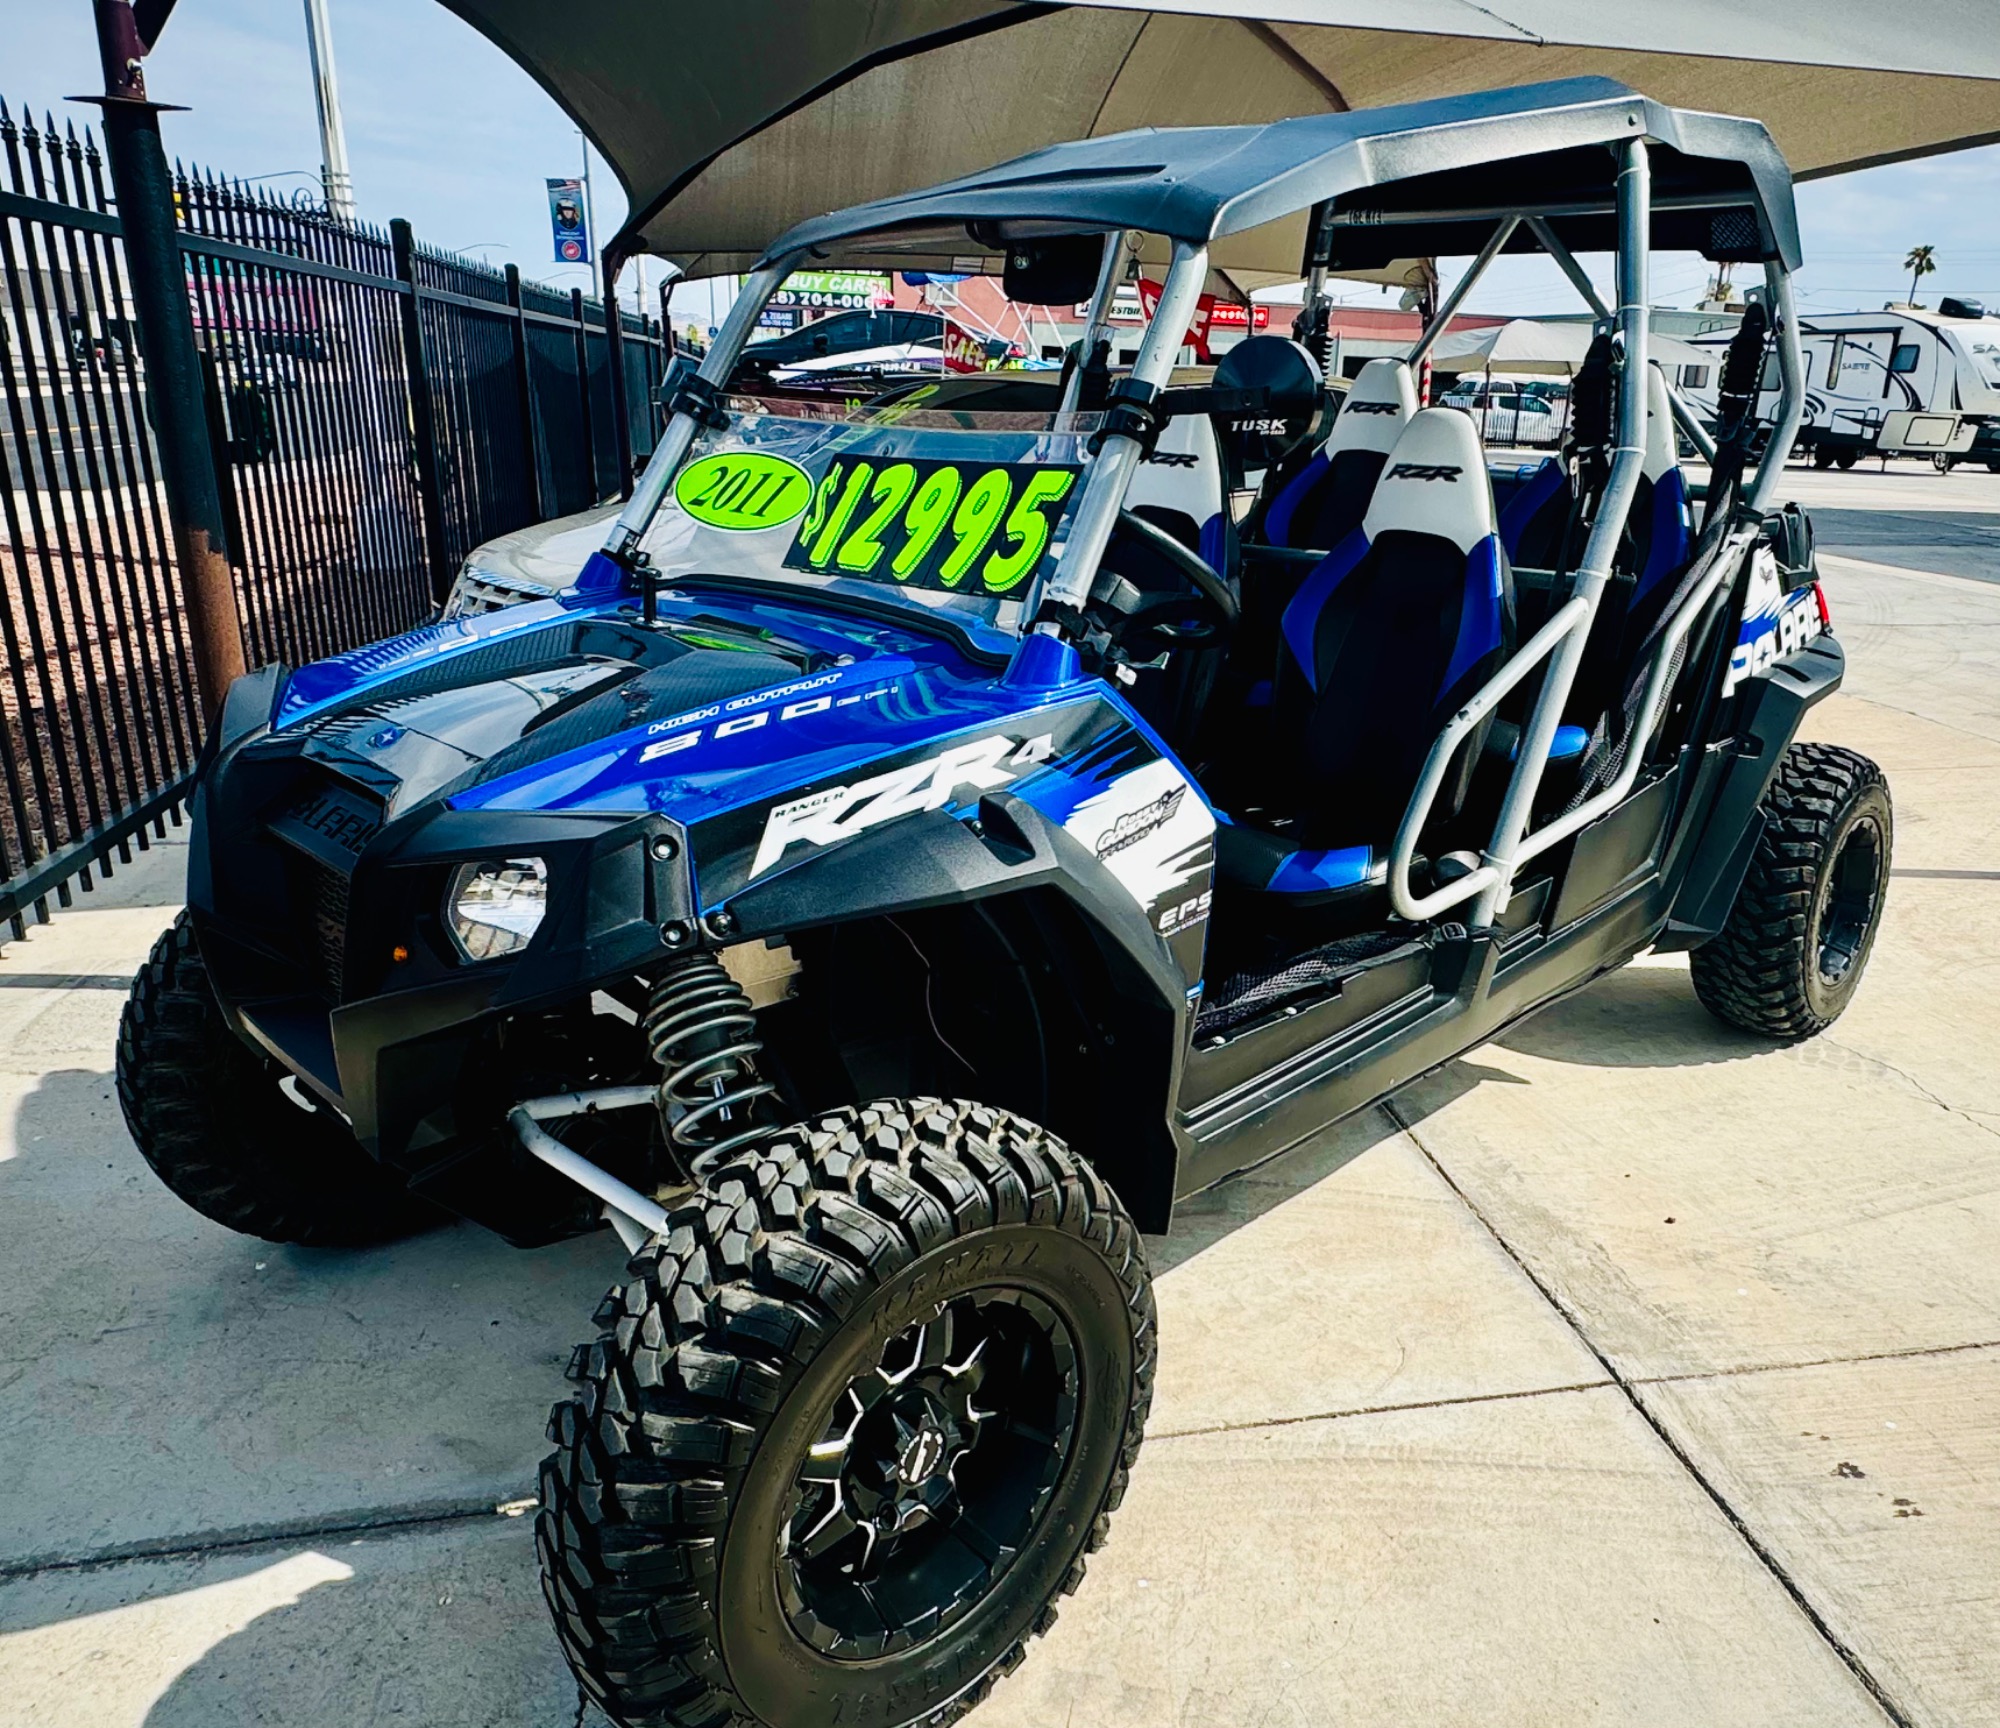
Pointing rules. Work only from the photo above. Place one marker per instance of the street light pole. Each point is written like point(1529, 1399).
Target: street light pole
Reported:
point(338, 181)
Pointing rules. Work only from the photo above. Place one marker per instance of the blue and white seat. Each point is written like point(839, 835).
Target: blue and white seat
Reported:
point(1385, 639)
point(1321, 504)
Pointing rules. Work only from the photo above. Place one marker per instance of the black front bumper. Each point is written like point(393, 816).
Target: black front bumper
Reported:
point(319, 906)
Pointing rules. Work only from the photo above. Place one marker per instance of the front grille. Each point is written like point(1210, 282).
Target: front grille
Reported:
point(319, 895)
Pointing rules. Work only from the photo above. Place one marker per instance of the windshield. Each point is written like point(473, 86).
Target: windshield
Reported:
point(939, 507)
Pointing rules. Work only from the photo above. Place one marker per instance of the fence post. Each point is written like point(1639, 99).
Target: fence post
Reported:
point(145, 193)
point(423, 410)
point(614, 333)
point(583, 391)
point(524, 390)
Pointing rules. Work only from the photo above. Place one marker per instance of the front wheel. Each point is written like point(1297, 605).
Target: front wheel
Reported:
point(851, 1427)
point(1791, 956)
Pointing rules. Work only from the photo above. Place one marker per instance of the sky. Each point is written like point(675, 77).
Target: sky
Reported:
point(443, 129)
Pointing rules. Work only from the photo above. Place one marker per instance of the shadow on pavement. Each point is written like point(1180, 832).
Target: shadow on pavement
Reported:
point(1637, 1017)
point(165, 1381)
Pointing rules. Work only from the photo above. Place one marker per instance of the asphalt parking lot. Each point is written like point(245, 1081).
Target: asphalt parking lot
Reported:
point(1629, 1371)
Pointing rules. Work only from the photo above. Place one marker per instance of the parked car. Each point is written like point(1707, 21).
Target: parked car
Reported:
point(1509, 415)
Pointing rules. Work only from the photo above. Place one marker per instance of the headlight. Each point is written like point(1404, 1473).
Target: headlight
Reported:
point(496, 908)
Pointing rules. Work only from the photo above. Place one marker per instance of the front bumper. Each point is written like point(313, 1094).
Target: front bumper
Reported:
point(327, 943)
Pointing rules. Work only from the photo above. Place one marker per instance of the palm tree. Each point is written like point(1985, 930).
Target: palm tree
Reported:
point(1920, 263)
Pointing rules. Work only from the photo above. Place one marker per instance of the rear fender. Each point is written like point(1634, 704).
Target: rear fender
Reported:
point(1774, 704)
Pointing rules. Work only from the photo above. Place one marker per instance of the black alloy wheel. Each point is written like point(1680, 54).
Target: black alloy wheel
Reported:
point(931, 1475)
point(850, 1428)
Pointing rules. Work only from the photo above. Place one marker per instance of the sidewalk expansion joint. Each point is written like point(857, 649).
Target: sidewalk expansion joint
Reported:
point(1915, 1353)
point(1625, 1384)
point(390, 1520)
point(1250, 1424)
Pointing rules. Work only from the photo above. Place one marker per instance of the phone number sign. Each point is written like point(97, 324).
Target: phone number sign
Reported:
point(834, 288)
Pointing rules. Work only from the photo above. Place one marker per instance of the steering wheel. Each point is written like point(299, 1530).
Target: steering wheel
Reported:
point(1200, 615)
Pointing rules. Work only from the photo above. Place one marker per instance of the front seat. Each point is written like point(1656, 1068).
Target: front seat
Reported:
point(1385, 640)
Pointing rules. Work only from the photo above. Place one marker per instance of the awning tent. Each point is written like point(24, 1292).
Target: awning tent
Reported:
point(728, 125)
point(1555, 347)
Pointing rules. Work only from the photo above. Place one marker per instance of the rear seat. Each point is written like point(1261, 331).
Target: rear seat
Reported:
point(1320, 505)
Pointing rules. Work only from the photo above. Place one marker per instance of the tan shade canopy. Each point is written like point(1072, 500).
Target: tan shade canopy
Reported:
point(1555, 347)
point(729, 124)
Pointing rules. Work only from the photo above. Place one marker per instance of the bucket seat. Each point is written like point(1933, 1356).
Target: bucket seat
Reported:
point(1385, 639)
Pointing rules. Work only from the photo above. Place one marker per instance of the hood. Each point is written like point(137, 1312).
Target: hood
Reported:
point(560, 708)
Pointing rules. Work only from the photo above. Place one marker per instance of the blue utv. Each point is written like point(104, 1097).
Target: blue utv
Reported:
point(933, 835)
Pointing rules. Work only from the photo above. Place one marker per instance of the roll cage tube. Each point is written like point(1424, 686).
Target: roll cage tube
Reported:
point(1452, 301)
point(1117, 248)
point(1106, 480)
point(1684, 414)
point(1564, 635)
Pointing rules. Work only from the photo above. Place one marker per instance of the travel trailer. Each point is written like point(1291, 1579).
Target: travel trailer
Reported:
point(1905, 381)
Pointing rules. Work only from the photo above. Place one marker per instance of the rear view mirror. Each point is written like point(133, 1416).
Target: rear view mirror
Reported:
point(1056, 272)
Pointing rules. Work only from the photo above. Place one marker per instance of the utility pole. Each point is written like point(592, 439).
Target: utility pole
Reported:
point(338, 181)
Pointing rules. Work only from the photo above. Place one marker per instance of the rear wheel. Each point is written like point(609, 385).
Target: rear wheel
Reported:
point(1788, 961)
point(1822, 456)
point(850, 1429)
point(1846, 460)
point(218, 1126)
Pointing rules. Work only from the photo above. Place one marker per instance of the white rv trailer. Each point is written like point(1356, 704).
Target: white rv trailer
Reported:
point(1899, 382)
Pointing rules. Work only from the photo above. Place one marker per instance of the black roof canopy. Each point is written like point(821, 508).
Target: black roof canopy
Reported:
point(1415, 179)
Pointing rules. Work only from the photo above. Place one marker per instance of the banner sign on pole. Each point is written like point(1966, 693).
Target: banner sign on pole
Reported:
point(1210, 313)
point(963, 351)
point(570, 230)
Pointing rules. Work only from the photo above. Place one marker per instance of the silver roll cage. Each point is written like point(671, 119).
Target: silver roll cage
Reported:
point(1559, 643)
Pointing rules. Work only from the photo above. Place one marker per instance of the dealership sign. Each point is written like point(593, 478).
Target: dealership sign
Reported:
point(830, 290)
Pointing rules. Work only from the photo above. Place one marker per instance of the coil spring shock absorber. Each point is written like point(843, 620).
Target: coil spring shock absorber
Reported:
point(702, 1031)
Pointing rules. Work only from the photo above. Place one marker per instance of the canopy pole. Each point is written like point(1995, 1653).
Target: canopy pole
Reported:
point(1110, 272)
point(1433, 330)
point(716, 366)
point(1684, 414)
point(1627, 460)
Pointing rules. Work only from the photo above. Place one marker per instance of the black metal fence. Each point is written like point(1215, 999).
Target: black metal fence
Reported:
point(376, 408)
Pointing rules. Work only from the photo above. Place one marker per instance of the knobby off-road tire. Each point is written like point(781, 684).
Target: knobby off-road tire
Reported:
point(764, 1374)
point(208, 1113)
point(1789, 959)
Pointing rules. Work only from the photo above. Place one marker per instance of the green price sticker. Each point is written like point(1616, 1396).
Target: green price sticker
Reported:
point(743, 491)
point(961, 528)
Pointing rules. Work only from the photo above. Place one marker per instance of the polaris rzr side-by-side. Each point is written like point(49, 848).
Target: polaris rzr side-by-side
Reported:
point(933, 835)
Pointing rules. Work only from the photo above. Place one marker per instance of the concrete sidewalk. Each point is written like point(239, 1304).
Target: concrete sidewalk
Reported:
point(1630, 1371)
